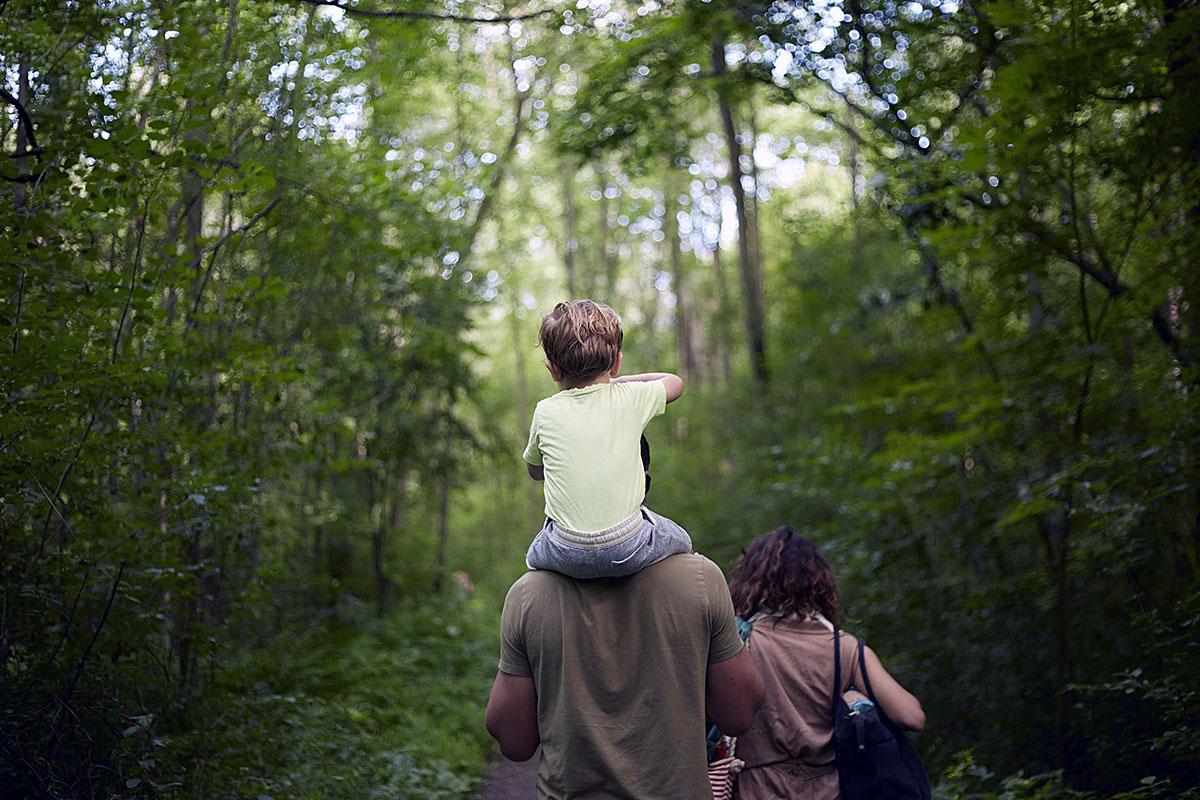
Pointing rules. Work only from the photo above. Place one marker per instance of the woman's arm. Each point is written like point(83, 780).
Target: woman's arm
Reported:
point(896, 701)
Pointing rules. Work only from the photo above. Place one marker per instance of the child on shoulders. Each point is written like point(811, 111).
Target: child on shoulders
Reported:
point(585, 443)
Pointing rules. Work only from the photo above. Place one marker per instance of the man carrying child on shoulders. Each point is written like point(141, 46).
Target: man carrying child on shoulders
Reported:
point(620, 640)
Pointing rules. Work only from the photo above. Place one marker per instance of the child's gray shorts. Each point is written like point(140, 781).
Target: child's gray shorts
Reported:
point(648, 543)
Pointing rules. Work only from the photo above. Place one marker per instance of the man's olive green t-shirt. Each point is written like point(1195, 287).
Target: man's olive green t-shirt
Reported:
point(588, 442)
point(619, 666)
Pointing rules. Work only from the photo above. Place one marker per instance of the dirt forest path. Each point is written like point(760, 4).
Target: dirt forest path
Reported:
point(511, 780)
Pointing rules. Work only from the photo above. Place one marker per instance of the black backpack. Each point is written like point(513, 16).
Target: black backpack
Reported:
point(875, 761)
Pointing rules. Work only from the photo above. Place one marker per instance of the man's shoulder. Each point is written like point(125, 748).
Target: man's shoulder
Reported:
point(537, 583)
point(534, 579)
point(685, 565)
point(674, 575)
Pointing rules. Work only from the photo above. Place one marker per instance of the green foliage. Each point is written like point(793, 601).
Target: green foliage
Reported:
point(234, 356)
point(344, 707)
point(967, 779)
point(272, 280)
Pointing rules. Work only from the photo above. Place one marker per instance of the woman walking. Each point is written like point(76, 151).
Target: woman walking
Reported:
point(785, 588)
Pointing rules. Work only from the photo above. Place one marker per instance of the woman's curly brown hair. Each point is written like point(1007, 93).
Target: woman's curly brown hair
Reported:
point(783, 573)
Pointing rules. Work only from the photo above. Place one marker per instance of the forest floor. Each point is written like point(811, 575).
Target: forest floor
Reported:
point(510, 780)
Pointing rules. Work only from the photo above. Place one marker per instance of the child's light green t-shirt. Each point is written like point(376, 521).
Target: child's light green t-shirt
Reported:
point(588, 442)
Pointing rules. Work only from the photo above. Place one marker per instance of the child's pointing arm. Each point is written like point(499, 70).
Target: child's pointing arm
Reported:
point(673, 383)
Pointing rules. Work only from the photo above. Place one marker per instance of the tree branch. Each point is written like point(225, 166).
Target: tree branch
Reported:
point(1163, 325)
point(62, 479)
point(901, 136)
point(1109, 281)
point(32, 177)
point(12, 747)
point(503, 163)
point(968, 94)
point(70, 617)
point(133, 273)
point(26, 121)
point(407, 14)
point(65, 698)
point(950, 297)
point(215, 248)
point(1063, 249)
point(53, 506)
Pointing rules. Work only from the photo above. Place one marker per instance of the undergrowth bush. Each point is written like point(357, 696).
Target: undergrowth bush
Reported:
point(968, 780)
point(347, 706)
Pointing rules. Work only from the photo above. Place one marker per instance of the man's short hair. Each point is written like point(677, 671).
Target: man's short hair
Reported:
point(582, 339)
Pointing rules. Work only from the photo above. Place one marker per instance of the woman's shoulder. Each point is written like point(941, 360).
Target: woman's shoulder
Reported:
point(792, 624)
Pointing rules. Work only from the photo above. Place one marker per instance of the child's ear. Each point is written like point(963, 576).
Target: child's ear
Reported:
point(616, 367)
point(553, 370)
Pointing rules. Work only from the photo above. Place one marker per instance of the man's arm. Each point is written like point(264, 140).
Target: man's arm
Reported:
point(536, 471)
point(733, 692)
point(511, 716)
point(673, 383)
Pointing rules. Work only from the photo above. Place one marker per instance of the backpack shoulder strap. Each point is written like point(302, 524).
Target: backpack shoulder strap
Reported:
point(837, 672)
point(862, 668)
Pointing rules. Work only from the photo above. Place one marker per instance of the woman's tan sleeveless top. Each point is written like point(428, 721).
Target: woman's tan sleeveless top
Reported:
point(789, 749)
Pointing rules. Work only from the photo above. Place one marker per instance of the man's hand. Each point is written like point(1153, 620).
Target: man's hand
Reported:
point(511, 716)
point(536, 472)
point(733, 692)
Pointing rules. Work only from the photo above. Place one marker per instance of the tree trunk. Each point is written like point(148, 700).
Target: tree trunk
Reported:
point(521, 371)
point(751, 290)
point(379, 540)
point(684, 341)
point(752, 205)
point(1184, 75)
point(20, 195)
point(572, 240)
point(519, 366)
point(316, 565)
point(503, 164)
point(608, 255)
point(724, 313)
point(650, 314)
point(24, 95)
point(856, 245)
point(444, 505)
